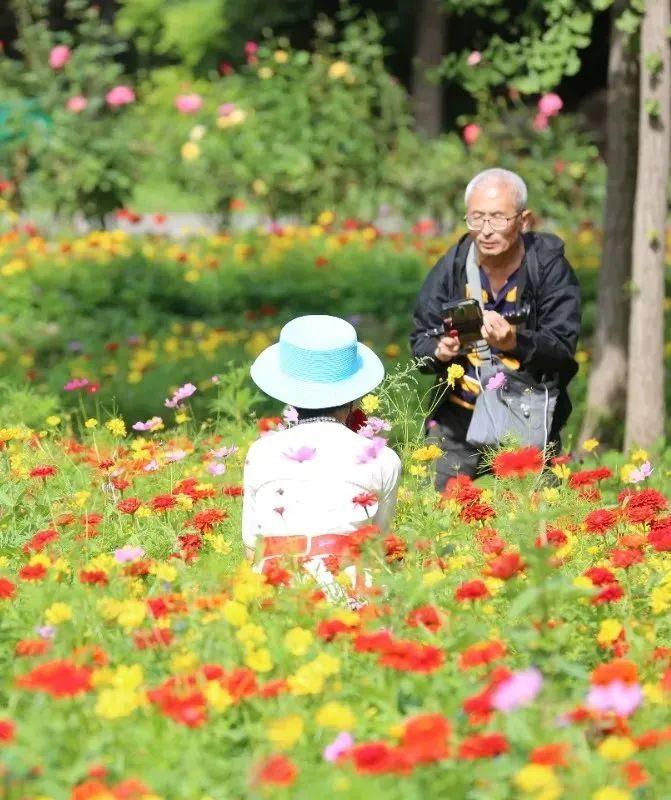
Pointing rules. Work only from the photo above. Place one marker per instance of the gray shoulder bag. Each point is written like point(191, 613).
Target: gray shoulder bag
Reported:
point(516, 407)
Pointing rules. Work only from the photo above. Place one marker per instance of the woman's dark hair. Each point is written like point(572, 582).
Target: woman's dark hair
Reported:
point(310, 413)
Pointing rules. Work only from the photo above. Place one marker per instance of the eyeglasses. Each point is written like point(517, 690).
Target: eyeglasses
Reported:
point(498, 222)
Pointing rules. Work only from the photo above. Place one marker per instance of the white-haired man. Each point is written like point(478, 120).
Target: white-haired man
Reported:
point(517, 268)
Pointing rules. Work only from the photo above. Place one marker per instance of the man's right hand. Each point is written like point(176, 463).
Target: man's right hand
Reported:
point(447, 349)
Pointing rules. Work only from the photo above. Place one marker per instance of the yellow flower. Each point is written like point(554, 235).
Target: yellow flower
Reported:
point(259, 660)
point(335, 715)
point(326, 218)
point(611, 793)
point(339, 69)
point(164, 572)
point(539, 780)
point(235, 613)
point(370, 403)
point(184, 662)
point(131, 613)
point(259, 186)
point(117, 703)
point(285, 732)
point(639, 456)
point(53, 420)
point(116, 427)
point(590, 444)
point(281, 56)
point(181, 417)
point(265, 73)
point(392, 350)
point(625, 472)
point(429, 453)
point(617, 748)
point(454, 372)
point(550, 494)
point(251, 634)
point(217, 697)
point(190, 151)
point(561, 471)
point(91, 422)
point(57, 613)
point(609, 631)
point(418, 470)
point(432, 577)
point(298, 640)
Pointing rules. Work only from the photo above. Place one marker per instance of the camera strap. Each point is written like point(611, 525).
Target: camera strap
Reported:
point(475, 291)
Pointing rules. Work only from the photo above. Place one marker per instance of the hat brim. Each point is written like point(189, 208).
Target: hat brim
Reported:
point(268, 376)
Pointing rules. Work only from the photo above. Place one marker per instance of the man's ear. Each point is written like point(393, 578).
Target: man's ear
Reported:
point(527, 220)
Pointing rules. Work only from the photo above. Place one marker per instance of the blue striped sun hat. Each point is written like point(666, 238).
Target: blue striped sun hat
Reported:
point(317, 363)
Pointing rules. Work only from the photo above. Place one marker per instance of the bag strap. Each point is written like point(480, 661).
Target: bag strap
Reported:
point(475, 289)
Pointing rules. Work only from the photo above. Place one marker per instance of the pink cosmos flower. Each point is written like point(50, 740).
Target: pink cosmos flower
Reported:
point(640, 474)
point(340, 745)
point(152, 466)
point(373, 426)
point(496, 382)
point(290, 415)
point(226, 109)
point(472, 133)
point(301, 454)
point(120, 96)
point(372, 450)
point(520, 689)
point(474, 58)
point(216, 468)
point(45, 631)
point(621, 698)
point(550, 104)
point(540, 122)
point(59, 56)
point(175, 455)
point(128, 553)
point(76, 104)
point(76, 383)
point(224, 452)
point(188, 103)
point(180, 394)
point(149, 425)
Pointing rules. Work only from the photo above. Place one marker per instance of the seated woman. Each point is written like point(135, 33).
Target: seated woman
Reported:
point(307, 487)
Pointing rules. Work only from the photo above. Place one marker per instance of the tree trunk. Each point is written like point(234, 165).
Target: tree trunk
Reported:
point(606, 391)
point(427, 97)
point(645, 386)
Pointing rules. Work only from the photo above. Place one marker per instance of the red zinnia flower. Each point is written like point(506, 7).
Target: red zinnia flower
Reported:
point(93, 576)
point(32, 647)
point(505, 566)
point(32, 572)
point(600, 576)
point(610, 594)
point(659, 537)
point(163, 502)
point(476, 512)
point(471, 590)
point(481, 653)
point(554, 537)
point(156, 637)
point(376, 642)
point(408, 656)
point(207, 519)
point(266, 424)
point(44, 471)
point(40, 540)
point(7, 589)
point(517, 463)
point(588, 477)
point(483, 746)
point(394, 548)
point(600, 520)
point(277, 771)
point(130, 505)
point(426, 616)
point(58, 678)
point(365, 499)
point(425, 738)
point(462, 489)
point(232, 491)
point(7, 731)
point(377, 758)
point(618, 670)
point(550, 755)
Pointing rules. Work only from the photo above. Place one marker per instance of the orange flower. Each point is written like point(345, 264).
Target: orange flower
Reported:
point(277, 771)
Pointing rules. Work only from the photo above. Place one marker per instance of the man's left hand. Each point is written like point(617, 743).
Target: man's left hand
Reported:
point(497, 331)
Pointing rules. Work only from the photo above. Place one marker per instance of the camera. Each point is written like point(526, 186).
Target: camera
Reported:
point(465, 316)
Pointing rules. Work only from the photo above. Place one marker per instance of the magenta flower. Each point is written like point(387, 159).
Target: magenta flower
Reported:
point(59, 56)
point(120, 96)
point(338, 747)
point(149, 425)
point(474, 58)
point(226, 109)
point(540, 122)
point(550, 104)
point(180, 394)
point(128, 553)
point(251, 48)
point(621, 698)
point(373, 426)
point(76, 383)
point(372, 450)
point(76, 104)
point(472, 133)
point(301, 454)
point(188, 103)
point(497, 381)
point(216, 468)
point(520, 689)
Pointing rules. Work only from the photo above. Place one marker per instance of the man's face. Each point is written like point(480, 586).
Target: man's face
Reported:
point(495, 200)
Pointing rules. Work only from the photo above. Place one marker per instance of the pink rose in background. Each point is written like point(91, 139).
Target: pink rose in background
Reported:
point(77, 104)
point(550, 104)
point(540, 122)
point(59, 56)
point(120, 96)
point(251, 49)
point(474, 58)
point(188, 103)
point(472, 133)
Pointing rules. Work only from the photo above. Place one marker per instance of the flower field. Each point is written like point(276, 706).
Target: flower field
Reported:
point(515, 641)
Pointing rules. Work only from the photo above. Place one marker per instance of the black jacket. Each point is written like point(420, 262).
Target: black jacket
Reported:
point(546, 345)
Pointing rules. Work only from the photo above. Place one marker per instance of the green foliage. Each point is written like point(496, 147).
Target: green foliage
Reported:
point(58, 159)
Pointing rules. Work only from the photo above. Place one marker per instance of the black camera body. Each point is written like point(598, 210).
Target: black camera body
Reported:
point(465, 316)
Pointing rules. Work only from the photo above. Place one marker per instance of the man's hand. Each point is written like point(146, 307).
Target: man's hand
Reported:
point(448, 347)
point(497, 332)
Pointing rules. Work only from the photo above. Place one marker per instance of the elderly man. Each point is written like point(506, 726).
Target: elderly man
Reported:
point(516, 268)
